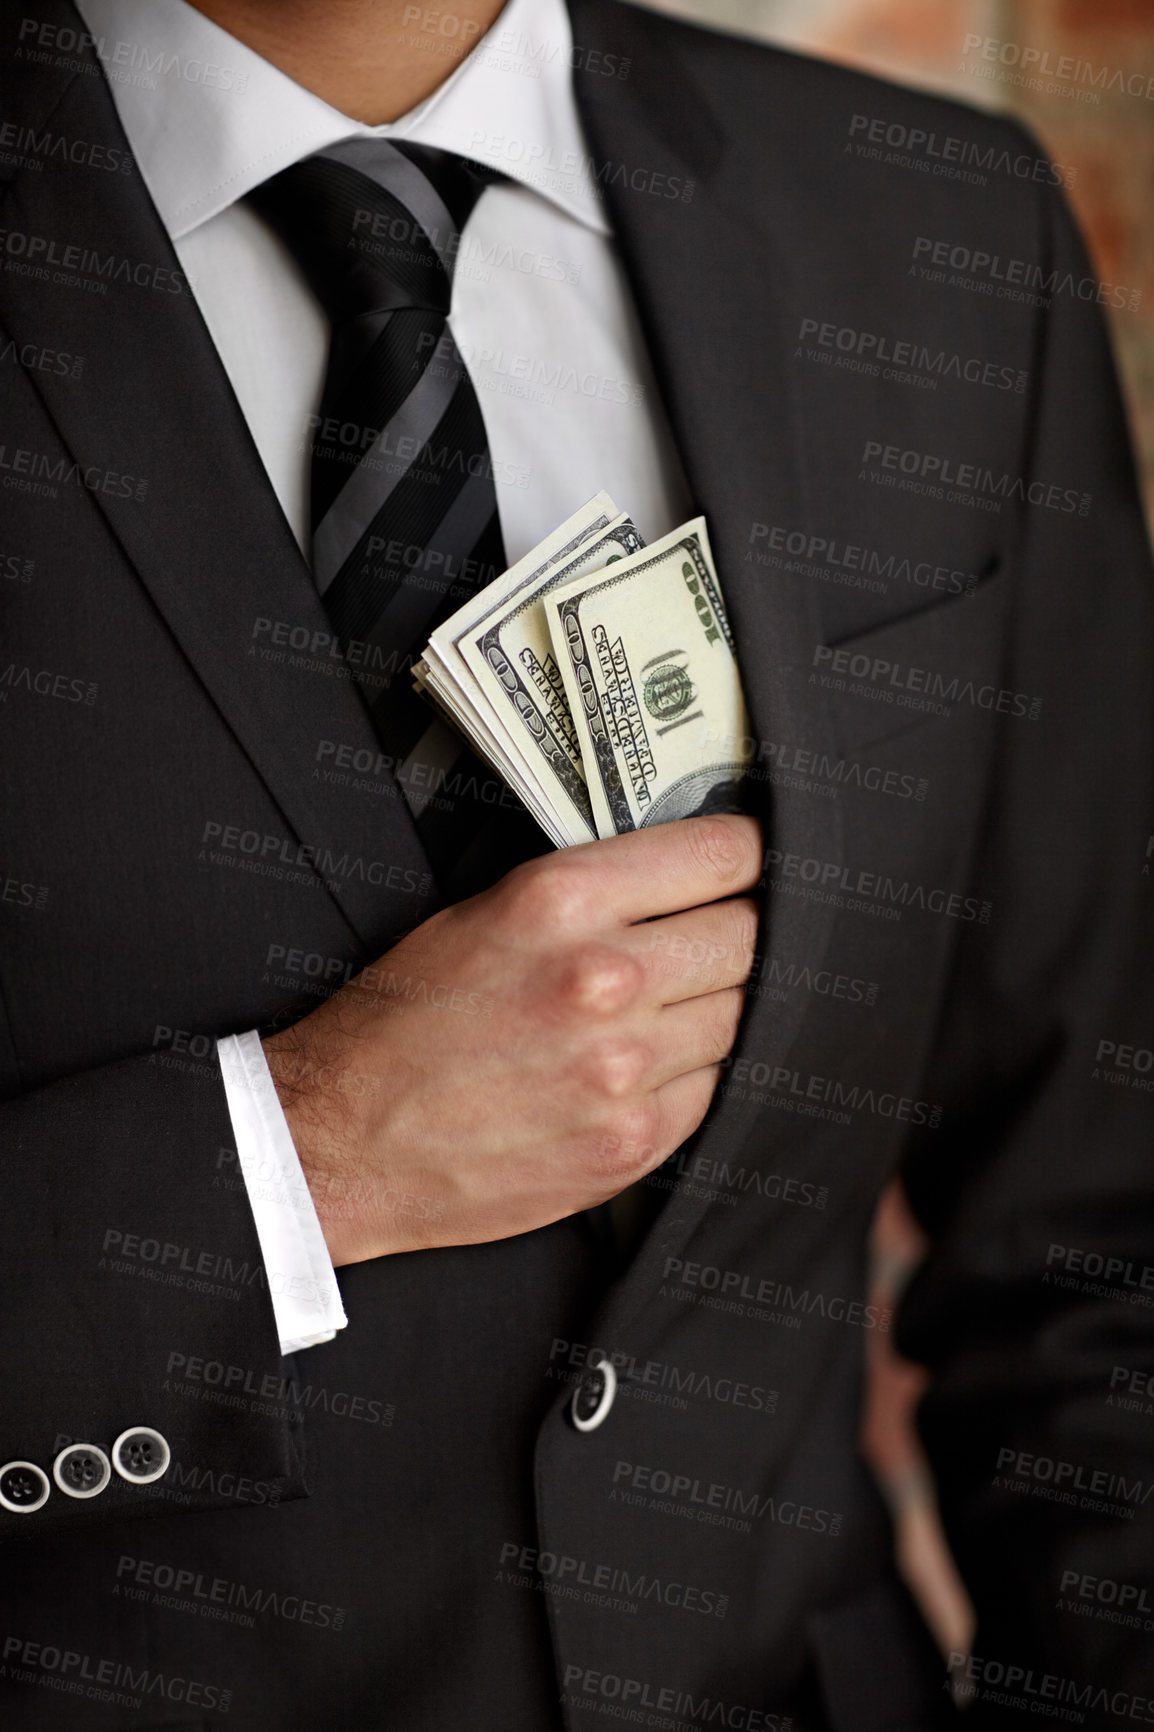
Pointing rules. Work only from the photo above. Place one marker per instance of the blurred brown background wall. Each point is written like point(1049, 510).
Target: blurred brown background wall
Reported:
point(1080, 74)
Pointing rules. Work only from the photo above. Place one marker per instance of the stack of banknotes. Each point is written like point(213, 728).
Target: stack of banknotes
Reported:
point(598, 677)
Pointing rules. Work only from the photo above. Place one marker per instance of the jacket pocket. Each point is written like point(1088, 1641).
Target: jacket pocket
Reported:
point(941, 662)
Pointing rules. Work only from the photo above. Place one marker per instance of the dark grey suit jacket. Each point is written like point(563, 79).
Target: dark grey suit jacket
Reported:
point(875, 333)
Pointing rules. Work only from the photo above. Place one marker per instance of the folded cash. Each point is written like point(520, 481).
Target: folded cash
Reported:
point(598, 677)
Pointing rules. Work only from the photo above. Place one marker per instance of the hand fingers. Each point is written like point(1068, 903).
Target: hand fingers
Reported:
point(683, 1103)
point(696, 1033)
point(703, 951)
point(669, 1115)
point(673, 866)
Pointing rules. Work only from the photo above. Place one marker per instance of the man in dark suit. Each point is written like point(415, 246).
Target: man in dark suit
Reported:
point(563, 1465)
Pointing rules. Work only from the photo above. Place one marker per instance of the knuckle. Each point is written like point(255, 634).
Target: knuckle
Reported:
point(744, 933)
point(548, 896)
point(717, 848)
point(630, 1145)
point(615, 1070)
point(644, 1130)
point(600, 980)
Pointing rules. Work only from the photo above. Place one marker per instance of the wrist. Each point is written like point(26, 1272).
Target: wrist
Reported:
point(321, 1122)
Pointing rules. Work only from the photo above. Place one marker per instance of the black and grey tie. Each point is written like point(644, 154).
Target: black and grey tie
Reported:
point(403, 503)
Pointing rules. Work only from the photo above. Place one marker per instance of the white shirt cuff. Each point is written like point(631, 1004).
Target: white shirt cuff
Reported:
point(305, 1297)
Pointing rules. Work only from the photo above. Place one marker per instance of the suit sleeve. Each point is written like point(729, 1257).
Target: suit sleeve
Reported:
point(134, 1298)
point(1035, 1307)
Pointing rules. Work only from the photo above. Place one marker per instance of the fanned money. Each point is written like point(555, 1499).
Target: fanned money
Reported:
point(518, 719)
point(598, 677)
point(649, 667)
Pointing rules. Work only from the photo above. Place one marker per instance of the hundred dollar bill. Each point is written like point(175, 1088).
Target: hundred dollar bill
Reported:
point(649, 668)
point(440, 660)
point(509, 731)
point(511, 656)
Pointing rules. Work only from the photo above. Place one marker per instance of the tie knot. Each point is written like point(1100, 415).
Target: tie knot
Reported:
point(375, 226)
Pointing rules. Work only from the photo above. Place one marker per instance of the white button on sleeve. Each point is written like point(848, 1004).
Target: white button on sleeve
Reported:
point(305, 1296)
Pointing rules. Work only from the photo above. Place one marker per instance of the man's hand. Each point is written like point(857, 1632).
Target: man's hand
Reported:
point(530, 1052)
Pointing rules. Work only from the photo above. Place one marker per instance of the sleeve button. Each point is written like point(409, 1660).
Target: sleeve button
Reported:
point(24, 1487)
point(81, 1470)
point(141, 1455)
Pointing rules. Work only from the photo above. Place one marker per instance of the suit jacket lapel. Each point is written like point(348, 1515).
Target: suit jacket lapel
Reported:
point(200, 524)
point(715, 292)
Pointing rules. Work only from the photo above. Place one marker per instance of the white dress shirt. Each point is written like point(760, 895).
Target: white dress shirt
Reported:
point(541, 313)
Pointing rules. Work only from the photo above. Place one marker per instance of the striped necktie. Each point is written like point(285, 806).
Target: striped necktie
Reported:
point(403, 503)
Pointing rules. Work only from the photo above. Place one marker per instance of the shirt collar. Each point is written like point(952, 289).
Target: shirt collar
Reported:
point(208, 119)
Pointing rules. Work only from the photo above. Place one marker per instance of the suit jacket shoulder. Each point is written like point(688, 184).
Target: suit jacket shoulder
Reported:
point(755, 120)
